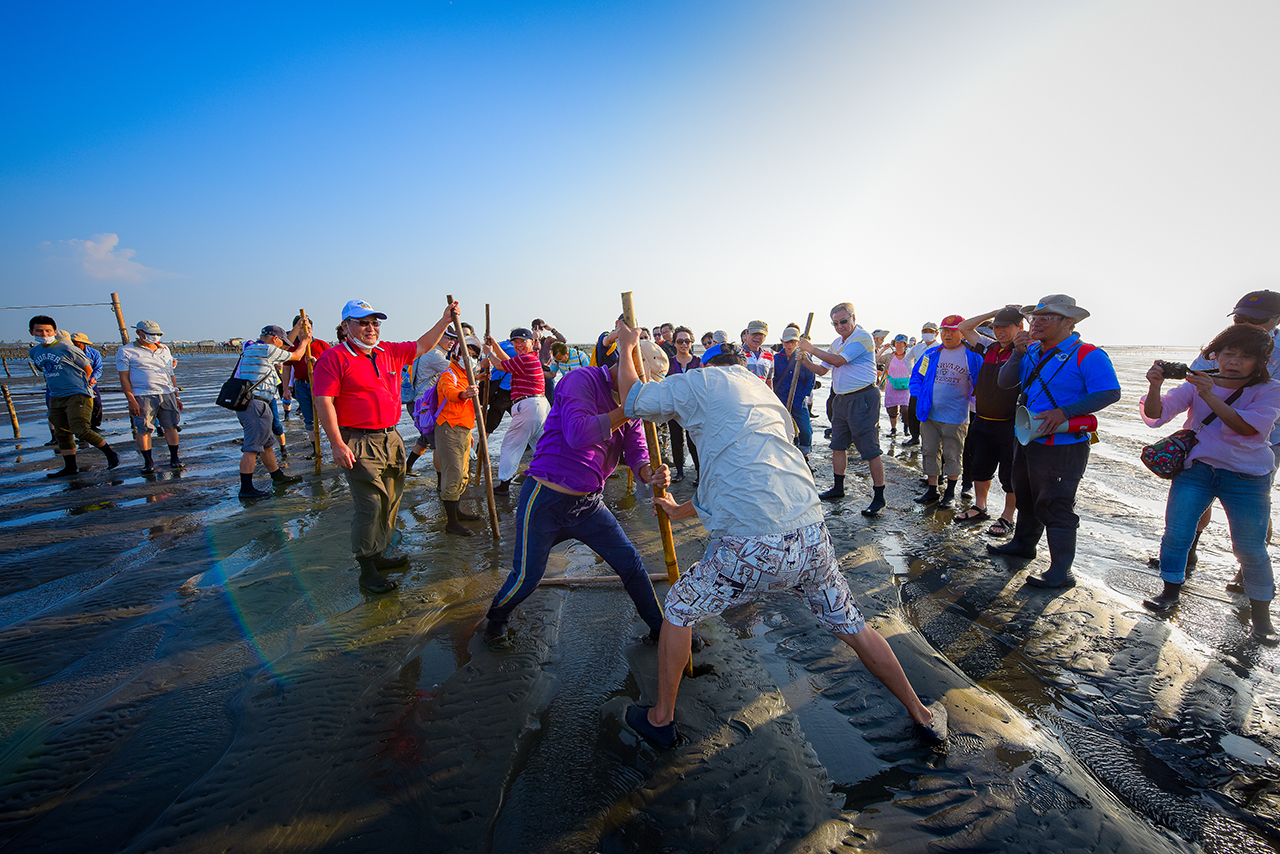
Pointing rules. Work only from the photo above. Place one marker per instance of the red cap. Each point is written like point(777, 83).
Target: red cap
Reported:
point(951, 321)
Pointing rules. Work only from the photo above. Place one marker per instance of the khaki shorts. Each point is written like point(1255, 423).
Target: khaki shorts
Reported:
point(736, 570)
point(256, 421)
point(157, 407)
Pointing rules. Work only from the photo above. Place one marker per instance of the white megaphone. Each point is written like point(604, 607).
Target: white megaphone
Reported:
point(1026, 425)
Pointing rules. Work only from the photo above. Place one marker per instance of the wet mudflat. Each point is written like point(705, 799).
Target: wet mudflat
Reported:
point(180, 672)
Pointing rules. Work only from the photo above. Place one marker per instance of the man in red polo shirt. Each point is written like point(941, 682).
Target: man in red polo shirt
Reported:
point(356, 386)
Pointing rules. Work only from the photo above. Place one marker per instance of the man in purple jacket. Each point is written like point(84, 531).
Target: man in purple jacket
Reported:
point(583, 438)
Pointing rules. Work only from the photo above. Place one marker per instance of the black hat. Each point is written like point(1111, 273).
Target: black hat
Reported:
point(1259, 305)
point(521, 332)
point(1007, 317)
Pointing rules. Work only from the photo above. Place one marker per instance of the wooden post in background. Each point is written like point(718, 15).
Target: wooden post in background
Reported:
point(13, 415)
point(315, 422)
point(480, 431)
point(124, 330)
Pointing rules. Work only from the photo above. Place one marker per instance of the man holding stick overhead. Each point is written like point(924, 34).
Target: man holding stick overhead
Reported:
point(357, 395)
point(583, 439)
point(745, 436)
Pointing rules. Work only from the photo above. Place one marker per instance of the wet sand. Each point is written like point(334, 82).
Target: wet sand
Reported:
point(183, 673)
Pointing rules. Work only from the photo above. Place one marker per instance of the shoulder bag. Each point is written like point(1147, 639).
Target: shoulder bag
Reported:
point(1168, 456)
point(236, 393)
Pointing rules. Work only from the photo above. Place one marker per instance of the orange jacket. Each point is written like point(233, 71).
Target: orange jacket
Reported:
point(455, 410)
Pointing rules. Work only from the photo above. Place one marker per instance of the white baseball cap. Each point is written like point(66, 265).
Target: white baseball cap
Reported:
point(359, 308)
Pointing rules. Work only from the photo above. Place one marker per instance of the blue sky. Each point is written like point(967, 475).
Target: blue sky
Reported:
point(220, 167)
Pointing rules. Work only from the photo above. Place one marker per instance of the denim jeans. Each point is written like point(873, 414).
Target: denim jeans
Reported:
point(804, 432)
point(1247, 500)
point(302, 394)
point(544, 518)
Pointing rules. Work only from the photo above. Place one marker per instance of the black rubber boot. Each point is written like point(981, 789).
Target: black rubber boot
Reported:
point(1263, 631)
point(949, 494)
point(930, 496)
point(372, 580)
point(1062, 553)
point(69, 467)
point(453, 526)
point(1166, 600)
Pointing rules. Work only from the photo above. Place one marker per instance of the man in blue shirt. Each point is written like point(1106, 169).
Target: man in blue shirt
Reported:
point(790, 368)
point(1061, 378)
point(66, 374)
point(942, 381)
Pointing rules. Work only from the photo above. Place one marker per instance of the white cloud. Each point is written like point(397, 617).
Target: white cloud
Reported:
point(101, 258)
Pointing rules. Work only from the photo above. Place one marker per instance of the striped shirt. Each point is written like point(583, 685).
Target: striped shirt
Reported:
point(259, 360)
point(526, 375)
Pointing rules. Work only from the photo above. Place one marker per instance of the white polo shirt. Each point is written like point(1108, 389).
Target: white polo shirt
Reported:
point(150, 371)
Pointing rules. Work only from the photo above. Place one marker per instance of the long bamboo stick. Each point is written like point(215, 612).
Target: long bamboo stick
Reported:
point(315, 422)
point(655, 460)
point(795, 367)
point(480, 431)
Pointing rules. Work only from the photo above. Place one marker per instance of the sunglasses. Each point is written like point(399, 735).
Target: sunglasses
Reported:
point(842, 322)
point(374, 323)
point(684, 340)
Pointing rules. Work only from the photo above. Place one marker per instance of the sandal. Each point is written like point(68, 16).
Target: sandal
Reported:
point(1002, 528)
point(970, 516)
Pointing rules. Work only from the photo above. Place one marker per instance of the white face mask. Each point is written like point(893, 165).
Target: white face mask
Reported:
point(367, 348)
point(927, 336)
point(150, 338)
point(44, 339)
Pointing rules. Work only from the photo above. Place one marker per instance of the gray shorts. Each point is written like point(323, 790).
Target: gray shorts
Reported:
point(162, 407)
point(256, 421)
point(855, 420)
point(736, 570)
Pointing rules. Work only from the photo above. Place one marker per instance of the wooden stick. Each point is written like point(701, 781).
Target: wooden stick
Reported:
point(315, 422)
point(795, 366)
point(484, 438)
point(13, 415)
point(570, 580)
point(655, 460)
point(5, 362)
point(489, 382)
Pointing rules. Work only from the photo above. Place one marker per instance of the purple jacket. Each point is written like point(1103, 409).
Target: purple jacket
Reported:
point(577, 450)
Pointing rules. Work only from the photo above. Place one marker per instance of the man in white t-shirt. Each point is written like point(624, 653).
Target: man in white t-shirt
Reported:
point(855, 414)
point(146, 369)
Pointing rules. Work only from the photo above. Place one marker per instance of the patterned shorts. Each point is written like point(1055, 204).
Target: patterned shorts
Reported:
point(742, 569)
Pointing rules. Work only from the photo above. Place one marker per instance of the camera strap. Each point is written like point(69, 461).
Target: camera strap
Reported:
point(1232, 398)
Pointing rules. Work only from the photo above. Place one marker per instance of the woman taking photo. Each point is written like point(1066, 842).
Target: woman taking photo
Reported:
point(684, 360)
point(1233, 414)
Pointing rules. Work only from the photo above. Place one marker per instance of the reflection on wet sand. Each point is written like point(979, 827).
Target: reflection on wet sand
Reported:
point(182, 673)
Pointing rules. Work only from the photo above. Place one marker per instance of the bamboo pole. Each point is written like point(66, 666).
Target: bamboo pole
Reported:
point(489, 382)
point(13, 415)
point(315, 422)
point(655, 460)
point(571, 580)
point(795, 366)
point(5, 362)
point(480, 431)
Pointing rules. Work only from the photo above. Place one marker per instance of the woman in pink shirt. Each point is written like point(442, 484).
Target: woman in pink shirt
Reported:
point(1233, 414)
